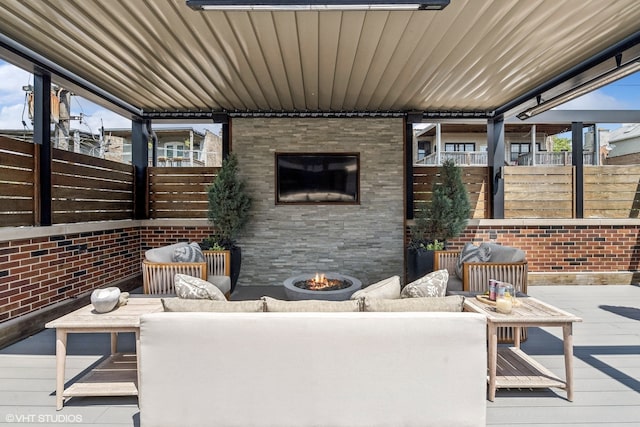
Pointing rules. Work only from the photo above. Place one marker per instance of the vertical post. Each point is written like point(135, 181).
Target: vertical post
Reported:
point(226, 139)
point(42, 136)
point(534, 149)
point(578, 164)
point(408, 168)
point(596, 146)
point(438, 144)
point(140, 161)
point(496, 158)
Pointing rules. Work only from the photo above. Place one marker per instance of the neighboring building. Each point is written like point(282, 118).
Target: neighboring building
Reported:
point(624, 144)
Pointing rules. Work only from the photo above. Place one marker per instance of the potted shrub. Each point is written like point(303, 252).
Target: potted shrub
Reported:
point(445, 217)
point(228, 212)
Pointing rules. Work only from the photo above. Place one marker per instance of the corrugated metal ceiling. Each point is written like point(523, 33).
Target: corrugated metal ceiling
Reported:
point(162, 56)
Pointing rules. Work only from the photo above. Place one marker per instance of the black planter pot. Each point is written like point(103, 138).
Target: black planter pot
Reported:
point(236, 262)
point(419, 263)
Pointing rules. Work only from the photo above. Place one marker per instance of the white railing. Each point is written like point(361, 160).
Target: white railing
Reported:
point(551, 158)
point(475, 158)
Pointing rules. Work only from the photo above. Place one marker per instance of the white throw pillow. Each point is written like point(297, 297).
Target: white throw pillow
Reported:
point(384, 289)
point(189, 287)
point(432, 285)
point(188, 253)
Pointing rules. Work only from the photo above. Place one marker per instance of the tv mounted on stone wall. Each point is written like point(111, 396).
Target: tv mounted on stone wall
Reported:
point(317, 178)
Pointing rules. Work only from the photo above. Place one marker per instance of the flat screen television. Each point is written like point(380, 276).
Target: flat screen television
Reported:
point(317, 178)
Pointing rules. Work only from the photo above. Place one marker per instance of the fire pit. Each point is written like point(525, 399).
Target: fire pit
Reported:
point(326, 286)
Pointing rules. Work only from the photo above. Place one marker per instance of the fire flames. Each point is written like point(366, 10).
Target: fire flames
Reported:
point(319, 282)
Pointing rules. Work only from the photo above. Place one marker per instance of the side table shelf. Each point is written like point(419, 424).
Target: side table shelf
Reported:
point(117, 375)
point(516, 369)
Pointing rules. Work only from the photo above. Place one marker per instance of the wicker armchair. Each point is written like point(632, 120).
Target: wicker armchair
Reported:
point(158, 277)
point(476, 275)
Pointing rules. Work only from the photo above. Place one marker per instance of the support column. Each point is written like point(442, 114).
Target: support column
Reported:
point(496, 160)
point(42, 136)
point(408, 167)
point(140, 161)
point(226, 139)
point(438, 144)
point(534, 149)
point(578, 165)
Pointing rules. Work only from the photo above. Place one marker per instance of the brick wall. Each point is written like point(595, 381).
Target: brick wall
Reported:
point(154, 236)
point(38, 272)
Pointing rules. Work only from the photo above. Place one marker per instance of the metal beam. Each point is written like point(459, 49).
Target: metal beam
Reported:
point(495, 154)
point(42, 137)
point(578, 164)
point(408, 167)
point(140, 161)
point(226, 139)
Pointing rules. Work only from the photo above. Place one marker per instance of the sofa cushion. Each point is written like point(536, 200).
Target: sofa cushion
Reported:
point(500, 253)
point(188, 253)
point(222, 282)
point(472, 253)
point(163, 254)
point(178, 304)
point(454, 284)
point(433, 284)
point(189, 287)
point(386, 289)
point(276, 305)
point(450, 303)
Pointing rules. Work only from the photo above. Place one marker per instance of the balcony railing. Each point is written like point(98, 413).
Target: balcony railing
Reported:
point(550, 158)
point(475, 158)
point(479, 158)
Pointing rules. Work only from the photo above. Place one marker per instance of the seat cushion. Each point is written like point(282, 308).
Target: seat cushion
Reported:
point(276, 305)
point(472, 253)
point(202, 305)
point(221, 282)
point(386, 289)
point(163, 254)
point(500, 253)
point(433, 284)
point(453, 303)
point(188, 287)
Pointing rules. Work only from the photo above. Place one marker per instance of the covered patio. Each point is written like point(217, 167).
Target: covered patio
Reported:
point(292, 81)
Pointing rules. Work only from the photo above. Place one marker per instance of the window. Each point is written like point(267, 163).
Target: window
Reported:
point(424, 149)
point(460, 146)
point(174, 150)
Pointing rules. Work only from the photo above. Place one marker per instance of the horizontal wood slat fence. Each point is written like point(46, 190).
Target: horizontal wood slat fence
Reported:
point(612, 191)
point(86, 188)
point(538, 192)
point(179, 192)
point(18, 169)
point(476, 179)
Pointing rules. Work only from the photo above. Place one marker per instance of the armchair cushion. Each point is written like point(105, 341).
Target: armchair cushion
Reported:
point(276, 305)
point(386, 289)
point(472, 253)
point(188, 253)
point(433, 284)
point(500, 253)
point(188, 287)
point(450, 303)
point(163, 254)
point(222, 282)
point(202, 305)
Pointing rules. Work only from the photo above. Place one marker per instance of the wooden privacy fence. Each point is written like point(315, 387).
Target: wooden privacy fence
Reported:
point(179, 192)
point(18, 162)
point(86, 188)
point(475, 178)
point(538, 192)
point(612, 191)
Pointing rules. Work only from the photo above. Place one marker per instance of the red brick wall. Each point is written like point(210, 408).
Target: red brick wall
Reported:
point(38, 272)
point(576, 248)
point(156, 236)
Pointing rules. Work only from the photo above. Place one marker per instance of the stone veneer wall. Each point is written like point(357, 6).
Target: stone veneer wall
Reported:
point(365, 241)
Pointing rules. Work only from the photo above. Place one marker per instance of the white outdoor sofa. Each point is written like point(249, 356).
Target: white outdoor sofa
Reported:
point(313, 369)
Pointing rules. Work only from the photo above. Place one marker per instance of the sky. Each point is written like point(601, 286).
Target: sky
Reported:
point(623, 94)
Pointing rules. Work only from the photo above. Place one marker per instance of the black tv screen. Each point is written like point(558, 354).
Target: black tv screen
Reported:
point(308, 178)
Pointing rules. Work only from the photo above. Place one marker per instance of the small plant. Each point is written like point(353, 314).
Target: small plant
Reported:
point(433, 246)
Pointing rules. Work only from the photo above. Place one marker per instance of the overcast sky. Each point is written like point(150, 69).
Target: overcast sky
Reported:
point(620, 95)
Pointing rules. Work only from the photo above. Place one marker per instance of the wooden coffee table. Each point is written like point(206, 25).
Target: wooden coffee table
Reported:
point(510, 367)
point(118, 374)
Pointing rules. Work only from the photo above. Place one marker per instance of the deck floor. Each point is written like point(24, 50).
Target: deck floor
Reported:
point(606, 369)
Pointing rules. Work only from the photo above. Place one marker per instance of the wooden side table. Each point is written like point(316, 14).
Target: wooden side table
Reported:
point(510, 367)
point(118, 374)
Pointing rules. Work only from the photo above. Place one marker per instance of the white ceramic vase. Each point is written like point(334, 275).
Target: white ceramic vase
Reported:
point(105, 300)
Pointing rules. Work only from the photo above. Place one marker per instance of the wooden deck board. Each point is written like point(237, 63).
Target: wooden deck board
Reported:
point(606, 368)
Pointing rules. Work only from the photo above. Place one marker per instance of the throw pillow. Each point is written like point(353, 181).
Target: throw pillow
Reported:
point(188, 287)
point(472, 253)
point(433, 284)
point(189, 253)
point(276, 305)
point(203, 305)
point(386, 289)
point(453, 303)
